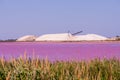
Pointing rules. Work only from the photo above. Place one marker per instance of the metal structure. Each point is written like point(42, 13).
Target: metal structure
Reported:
point(77, 33)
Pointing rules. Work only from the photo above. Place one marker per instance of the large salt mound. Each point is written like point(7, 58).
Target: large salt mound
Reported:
point(27, 38)
point(89, 37)
point(54, 37)
point(69, 37)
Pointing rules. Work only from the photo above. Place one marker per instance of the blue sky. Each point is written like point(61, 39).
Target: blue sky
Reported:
point(37, 17)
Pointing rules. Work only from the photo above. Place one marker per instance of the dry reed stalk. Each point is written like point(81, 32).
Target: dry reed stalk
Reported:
point(8, 76)
point(61, 78)
point(110, 73)
point(34, 75)
point(20, 58)
point(14, 63)
point(42, 65)
point(76, 70)
point(62, 72)
point(36, 63)
point(3, 62)
point(83, 68)
point(79, 72)
point(47, 65)
point(98, 76)
point(87, 72)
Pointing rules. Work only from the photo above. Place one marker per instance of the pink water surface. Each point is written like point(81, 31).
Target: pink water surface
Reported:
point(61, 51)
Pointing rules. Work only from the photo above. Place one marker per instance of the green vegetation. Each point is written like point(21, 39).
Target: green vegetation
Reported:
point(35, 69)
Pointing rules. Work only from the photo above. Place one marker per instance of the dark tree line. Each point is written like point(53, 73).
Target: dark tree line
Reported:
point(8, 40)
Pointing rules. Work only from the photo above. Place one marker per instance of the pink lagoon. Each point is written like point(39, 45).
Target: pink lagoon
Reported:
point(61, 50)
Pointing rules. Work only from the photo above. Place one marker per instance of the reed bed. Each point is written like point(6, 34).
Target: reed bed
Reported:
point(36, 69)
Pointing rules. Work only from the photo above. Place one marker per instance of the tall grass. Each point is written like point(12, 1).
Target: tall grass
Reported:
point(36, 69)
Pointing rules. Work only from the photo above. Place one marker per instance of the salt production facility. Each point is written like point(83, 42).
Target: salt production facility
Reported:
point(63, 37)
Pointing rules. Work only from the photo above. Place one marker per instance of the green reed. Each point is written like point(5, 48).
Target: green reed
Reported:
point(35, 69)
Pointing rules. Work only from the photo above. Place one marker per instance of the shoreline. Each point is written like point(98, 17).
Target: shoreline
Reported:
point(65, 42)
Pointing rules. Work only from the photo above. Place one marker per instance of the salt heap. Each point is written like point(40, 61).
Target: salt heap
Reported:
point(55, 37)
point(70, 37)
point(27, 38)
point(89, 37)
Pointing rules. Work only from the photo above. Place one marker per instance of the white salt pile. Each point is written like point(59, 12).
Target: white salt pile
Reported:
point(27, 38)
point(89, 37)
point(54, 37)
point(69, 37)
